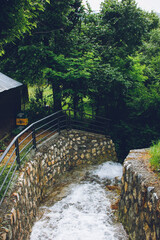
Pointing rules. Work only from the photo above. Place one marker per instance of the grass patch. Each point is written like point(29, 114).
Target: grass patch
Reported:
point(47, 93)
point(155, 155)
point(48, 97)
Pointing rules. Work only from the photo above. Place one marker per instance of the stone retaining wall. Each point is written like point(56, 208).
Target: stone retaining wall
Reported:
point(139, 207)
point(58, 155)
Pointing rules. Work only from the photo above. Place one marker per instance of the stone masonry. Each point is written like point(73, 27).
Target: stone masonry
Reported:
point(42, 170)
point(139, 206)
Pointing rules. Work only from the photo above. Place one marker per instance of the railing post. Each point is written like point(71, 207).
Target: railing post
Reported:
point(69, 122)
point(66, 120)
point(34, 137)
point(81, 114)
point(106, 127)
point(59, 129)
point(92, 112)
point(17, 152)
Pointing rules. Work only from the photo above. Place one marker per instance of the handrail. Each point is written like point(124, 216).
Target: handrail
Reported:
point(38, 131)
point(25, 130)
point(98, 117)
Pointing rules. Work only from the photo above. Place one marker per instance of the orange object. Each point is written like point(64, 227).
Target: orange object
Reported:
point(21, 121)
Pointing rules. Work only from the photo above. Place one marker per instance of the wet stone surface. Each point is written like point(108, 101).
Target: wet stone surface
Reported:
point(79, 207)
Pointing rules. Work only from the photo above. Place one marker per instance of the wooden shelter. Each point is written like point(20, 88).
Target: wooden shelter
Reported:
point(10, 103)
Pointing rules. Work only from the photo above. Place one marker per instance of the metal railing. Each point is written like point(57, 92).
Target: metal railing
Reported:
point(39, 131)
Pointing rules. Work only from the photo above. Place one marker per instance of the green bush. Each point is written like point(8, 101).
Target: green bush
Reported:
point(37, 109)
point(2, 145)
point(155, 155)
point(16, 131)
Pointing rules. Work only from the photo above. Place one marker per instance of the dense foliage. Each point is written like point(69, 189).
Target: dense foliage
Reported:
point(16, 18)
point(111, 58)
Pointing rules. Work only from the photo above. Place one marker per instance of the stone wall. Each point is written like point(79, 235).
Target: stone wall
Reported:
point(53, 158)
point(139, 207)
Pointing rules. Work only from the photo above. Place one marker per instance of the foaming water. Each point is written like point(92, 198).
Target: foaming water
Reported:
point(84, 211)
point(109, 170)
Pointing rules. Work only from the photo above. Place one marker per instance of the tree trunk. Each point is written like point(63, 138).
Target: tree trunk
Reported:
point(75, 104)
point(56, 97)
point(97, 105)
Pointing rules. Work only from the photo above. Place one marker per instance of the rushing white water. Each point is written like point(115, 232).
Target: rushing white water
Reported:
point(84, 212)
point(109, 170)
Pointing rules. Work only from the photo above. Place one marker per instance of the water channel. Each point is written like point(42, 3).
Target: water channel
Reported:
point(80, 206)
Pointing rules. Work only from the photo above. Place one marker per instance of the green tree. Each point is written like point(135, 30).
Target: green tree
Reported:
point(119, 31)
point(35, 52)
point(127, 25)
point(68, 77)
point(144, 94)
point(16, 18)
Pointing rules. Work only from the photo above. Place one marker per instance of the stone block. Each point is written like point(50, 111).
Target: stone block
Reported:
point(93, 150)
point(82, 155)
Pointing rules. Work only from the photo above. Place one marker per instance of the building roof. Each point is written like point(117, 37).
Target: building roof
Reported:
point(7, 83)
